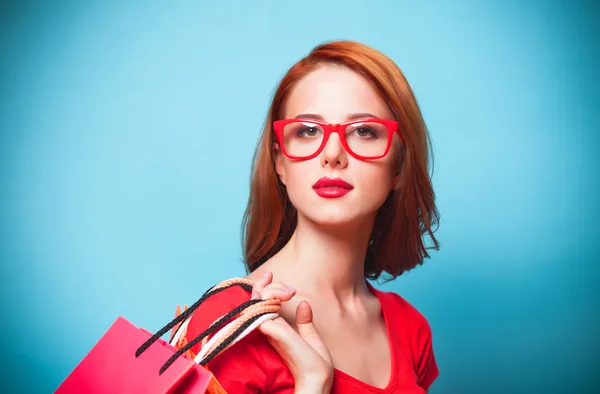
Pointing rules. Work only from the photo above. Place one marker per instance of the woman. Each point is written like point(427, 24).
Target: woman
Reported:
point(340, 192)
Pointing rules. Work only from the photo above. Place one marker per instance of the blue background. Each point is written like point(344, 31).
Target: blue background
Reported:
point(127, 131)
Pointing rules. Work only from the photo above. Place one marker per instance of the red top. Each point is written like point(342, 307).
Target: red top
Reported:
point(253, 366)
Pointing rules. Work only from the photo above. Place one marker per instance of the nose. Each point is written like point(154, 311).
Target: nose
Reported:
point(334, 155)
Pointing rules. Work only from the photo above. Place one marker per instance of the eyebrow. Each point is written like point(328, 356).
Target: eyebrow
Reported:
point(358, 115)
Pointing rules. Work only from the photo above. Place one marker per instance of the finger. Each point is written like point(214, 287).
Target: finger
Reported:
point(304, 314)
point(278, 290)
point(260, 284)
point(280, 332)
point(308, 331)
point(271, 328)
point(277, 337)
point(297, 353)
point(282, 336)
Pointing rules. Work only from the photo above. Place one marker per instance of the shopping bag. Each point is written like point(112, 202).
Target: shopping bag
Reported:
point(130, 360)
point(112, 367)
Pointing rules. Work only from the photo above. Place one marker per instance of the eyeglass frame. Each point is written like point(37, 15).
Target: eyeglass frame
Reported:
point(339, 128)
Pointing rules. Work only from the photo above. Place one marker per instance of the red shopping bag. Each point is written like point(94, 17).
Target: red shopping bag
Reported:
point(116, 365)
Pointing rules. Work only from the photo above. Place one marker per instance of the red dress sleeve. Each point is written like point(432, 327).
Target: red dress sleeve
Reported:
point(419, 338)
point(238, 369)
point(426, 365)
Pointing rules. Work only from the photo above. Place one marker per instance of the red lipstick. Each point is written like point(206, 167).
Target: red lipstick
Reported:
point(332, 188)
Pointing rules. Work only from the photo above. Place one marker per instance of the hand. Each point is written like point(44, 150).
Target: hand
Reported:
point(303, 351)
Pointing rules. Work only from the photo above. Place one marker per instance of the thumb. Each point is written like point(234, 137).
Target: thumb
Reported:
point(308, 331)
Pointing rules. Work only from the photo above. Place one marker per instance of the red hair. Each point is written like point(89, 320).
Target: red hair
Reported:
point(407, 215)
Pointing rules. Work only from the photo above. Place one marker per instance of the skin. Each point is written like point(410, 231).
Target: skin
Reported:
point(329, 305)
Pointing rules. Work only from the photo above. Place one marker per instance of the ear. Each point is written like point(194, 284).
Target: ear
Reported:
point(399, 165)
point(279, 168)
point(396, 179)
point(396, 182)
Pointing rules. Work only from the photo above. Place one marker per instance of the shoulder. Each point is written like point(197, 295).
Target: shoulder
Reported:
point(213, 308)
point(240, 368)
point(415, 326)
point(416, 332)
point(231, 296)
point(406, 310)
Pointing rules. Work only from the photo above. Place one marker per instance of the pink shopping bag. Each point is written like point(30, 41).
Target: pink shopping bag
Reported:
point(116, 365)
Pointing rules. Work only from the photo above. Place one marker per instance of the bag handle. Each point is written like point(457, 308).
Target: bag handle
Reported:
point(187, 313)
point(246, 283)
point(250, 315)
point(222, 320)
point(253, 315)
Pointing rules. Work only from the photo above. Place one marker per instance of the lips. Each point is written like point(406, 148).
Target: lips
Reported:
point(332, 188)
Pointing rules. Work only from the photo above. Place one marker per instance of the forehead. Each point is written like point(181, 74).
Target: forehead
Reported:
point(334, 92)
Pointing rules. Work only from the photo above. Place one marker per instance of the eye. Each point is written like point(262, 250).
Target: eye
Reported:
point(365, 132)
point(307, 131)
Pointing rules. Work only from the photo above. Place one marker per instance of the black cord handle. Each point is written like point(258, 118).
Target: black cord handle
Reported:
point(209, 331)
point(184, 316)
point(237, 332)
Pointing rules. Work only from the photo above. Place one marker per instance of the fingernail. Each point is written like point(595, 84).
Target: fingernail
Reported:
point(265, 275)
point(291, 289)
point(255, 295)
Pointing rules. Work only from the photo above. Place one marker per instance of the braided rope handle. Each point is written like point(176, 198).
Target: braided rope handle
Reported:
point(269, 308)
point(214, 340)
point(180, 330)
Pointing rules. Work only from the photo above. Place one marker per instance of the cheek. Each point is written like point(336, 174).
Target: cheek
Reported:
point(375, 182)
point(380, 173)
point(299, 176)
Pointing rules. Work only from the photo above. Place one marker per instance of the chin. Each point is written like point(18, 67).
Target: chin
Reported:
point(333, 212)
point(332, 216)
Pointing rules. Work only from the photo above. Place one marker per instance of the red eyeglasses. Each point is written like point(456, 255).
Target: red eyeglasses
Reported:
point(365, 139)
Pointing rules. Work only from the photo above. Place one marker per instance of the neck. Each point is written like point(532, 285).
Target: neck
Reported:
point(327, 260)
